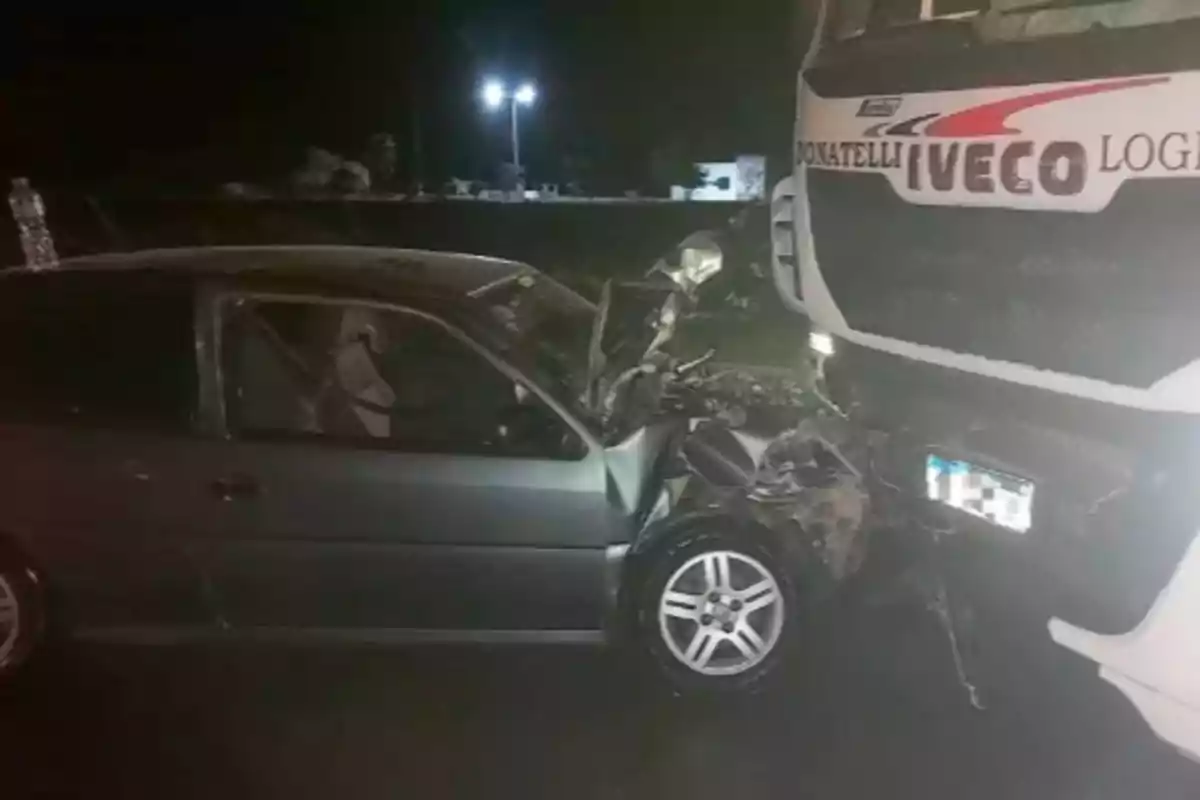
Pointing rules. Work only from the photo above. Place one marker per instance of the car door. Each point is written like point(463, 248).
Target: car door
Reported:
point(98, 375)
point(389, 477)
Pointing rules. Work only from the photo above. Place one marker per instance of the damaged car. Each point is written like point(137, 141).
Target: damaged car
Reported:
point(344, 444)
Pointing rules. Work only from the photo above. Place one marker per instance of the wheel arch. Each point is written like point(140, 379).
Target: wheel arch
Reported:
point(654, 536)
point(25, 578)
point(13, 549)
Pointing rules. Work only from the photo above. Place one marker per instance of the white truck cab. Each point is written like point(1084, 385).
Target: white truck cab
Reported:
point(992, 224)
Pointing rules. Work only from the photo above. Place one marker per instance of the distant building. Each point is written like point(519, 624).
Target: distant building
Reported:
point(728, 181)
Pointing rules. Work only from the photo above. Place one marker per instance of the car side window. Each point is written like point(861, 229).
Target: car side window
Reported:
point(100, 349)
point(358, 375)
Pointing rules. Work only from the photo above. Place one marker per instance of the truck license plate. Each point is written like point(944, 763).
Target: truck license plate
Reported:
point(1001, 499)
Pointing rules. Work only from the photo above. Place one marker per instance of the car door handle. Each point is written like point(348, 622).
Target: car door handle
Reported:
point(235, 487)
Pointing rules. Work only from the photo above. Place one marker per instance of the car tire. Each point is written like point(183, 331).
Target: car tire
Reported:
point(716, 611)
point(21, 613)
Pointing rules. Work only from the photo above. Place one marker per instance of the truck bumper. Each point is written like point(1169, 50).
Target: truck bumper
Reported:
point(1156, 665)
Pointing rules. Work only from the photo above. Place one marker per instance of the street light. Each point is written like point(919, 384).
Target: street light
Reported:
point(495, 94)
point(526, 95)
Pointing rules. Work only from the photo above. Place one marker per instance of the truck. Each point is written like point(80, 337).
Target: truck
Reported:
point(990, 228)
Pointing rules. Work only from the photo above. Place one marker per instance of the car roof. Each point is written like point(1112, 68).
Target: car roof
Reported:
point(338, 266)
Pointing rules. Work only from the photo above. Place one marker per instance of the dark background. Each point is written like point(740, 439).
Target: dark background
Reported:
point(198, 95)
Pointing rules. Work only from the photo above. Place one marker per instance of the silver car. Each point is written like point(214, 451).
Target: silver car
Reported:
point(353, 444)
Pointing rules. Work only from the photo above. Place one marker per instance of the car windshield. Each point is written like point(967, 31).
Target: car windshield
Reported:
point(552, 325)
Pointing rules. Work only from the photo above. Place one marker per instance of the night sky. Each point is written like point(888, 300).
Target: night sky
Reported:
point(207, 96)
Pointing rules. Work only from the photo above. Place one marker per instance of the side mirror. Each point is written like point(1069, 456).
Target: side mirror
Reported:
point(698, 264)
point(695, 261)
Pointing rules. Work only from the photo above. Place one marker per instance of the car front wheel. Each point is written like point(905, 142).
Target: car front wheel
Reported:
point(716, 610)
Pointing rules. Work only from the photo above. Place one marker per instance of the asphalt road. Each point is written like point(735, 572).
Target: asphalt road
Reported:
point(874, 712)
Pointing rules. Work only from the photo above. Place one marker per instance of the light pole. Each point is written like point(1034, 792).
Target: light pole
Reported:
point(495, 94)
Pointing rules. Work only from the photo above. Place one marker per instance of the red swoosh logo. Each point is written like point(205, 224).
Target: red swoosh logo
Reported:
point(992, 119)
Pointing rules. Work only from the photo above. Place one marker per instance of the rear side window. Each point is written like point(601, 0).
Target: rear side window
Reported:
point(102, 349)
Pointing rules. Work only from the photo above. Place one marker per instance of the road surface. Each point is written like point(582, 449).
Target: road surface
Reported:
point(874, 712)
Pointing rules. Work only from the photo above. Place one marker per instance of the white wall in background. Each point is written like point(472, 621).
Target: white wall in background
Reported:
point(728, 181)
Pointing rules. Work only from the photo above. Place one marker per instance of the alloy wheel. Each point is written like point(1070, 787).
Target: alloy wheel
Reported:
point(721, 613)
